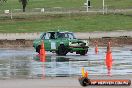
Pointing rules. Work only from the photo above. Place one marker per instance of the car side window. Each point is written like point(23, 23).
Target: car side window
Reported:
point(52, 35)
point(61, 35)
point(47, 36)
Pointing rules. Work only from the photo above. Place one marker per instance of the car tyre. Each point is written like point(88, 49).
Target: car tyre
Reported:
point(38, 49)
point(83, 52)
point(62, 50)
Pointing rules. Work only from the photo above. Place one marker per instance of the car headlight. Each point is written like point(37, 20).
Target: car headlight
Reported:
point(86, 42)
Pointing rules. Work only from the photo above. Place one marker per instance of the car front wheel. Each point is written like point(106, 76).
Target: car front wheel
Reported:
point(83, 52)
point(62, 50)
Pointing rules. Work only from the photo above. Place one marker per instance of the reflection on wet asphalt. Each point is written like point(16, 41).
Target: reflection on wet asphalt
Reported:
point(25, 63)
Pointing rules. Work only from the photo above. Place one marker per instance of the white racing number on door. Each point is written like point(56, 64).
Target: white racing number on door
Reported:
point(53, 45)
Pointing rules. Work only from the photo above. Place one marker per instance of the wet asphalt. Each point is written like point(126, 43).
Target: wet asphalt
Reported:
point(25, 63)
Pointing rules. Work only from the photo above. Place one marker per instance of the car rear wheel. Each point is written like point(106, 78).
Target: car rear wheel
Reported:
point(62, 50)
point(38, 49)
point(83, 52)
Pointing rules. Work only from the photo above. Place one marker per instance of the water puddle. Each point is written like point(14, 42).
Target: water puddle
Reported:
point(25, 63)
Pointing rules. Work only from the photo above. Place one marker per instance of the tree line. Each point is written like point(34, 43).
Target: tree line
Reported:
point(23, 2)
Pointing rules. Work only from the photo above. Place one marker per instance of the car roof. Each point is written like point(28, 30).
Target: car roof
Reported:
point(59, 31)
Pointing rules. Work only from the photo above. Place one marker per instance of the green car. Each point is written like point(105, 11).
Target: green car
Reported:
point(61, 43)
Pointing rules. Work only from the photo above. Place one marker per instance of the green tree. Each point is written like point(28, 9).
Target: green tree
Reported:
point(24, 4)
point(1, 1)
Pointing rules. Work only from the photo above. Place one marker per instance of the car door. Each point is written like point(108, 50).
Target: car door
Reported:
point(46, 39)
point(62, 38)
point(52, 41)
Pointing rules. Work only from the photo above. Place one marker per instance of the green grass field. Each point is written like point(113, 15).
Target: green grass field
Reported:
point(68, 22)
point(14, 4)
point(73, 22)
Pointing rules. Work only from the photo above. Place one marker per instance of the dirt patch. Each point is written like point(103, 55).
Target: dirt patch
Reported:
point(16, 43)
point(116, 41)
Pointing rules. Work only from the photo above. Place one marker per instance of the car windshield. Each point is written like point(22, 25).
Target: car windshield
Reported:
point(71, 36)
point(65, 35)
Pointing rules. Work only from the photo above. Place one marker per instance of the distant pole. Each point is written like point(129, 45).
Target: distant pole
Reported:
point(103, 6)
point(11, 15)
point(87, 5)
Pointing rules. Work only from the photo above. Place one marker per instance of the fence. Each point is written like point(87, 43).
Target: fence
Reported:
point(67, 6)
point(61, 10)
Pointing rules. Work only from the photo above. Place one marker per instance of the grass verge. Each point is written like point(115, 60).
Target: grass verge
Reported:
point(67, 22)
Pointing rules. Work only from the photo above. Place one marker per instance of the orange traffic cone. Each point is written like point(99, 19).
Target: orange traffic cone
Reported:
point(42, 58)
point(84, 74)
point(108, 58)
point(96, 48)
point(42, 53)
point(42, 49)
